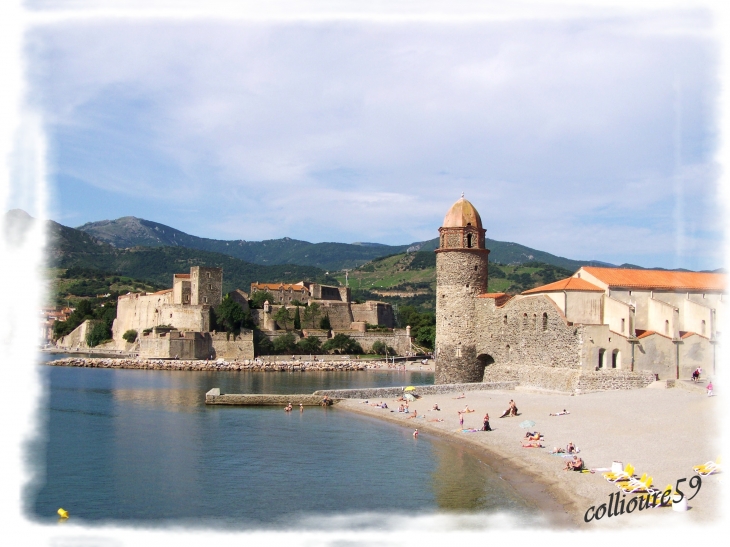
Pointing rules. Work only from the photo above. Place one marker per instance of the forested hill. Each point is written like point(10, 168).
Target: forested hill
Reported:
point(69, 248)
point(133, 232)
point(128, 232)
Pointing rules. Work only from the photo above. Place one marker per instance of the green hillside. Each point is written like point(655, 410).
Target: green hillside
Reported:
point(70, 248)
point(129, 232)
point(410, 279)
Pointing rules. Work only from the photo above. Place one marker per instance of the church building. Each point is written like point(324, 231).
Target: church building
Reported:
point(602, 327)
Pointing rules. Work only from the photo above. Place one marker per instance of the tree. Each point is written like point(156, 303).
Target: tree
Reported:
point(230, 315)
point(259, 297)
point(297, 320)
point(286, 343)
point(130, 335)
point(325, 323)
point(261, 343)
point(98, 332)
point(342, 344)
point(310, 344)
point(426, 336)
point(282, 317)
point(311, 312)
point(379, 347)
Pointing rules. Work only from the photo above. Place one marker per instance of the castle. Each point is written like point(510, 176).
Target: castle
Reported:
point(176, 322)
point(602, 328)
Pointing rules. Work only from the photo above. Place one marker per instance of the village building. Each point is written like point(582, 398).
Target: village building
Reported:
point(600, 328)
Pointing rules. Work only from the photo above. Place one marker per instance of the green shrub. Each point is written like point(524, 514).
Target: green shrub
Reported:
point(130, 335)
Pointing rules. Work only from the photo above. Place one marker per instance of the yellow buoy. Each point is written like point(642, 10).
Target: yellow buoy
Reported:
point(63, 513)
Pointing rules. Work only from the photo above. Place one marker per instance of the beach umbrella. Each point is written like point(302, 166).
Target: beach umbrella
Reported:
point(526, 424)
point(410, 388)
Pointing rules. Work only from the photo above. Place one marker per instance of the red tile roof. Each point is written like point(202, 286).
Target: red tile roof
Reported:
point(569, 284)
point(182, 276)
point(491, 295)
point(659, 279)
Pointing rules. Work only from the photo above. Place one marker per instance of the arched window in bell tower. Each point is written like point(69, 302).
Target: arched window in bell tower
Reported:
point(468, 241)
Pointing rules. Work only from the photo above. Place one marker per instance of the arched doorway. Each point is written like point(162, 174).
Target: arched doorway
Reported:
point(483, 361)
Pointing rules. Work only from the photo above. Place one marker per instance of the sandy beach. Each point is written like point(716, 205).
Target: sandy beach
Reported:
point(663, 432)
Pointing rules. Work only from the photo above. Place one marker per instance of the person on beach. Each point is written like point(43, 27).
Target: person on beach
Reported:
point(513, 408)
point(467, 410)
point(576, 464)
point(557, 450)
point(461, 419)
point(415, 414)
point(288, 408)
point(415, 433)
point(462, 396)
point(695, 375)
point(301, 407)
point(560, 413)
point(709, 389)
point(486, 423)
point(435, 407)
point(570, 448)
point(533, 436)
point(531, 444)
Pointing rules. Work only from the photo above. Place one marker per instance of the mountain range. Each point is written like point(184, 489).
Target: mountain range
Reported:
point(129, 232)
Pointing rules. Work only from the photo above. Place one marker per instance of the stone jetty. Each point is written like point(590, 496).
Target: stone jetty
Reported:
point(252, 364)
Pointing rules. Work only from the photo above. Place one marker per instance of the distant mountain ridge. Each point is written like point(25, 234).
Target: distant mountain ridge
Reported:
point(127, 232)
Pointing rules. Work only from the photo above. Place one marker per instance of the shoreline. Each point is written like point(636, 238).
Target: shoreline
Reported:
point(606, 426)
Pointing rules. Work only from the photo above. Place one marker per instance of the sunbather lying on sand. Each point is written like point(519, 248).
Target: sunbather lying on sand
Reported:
point(414, 415)
point(462, 396)
point(576, 464)
point(557, 450)
point(531, 444)
point(467, 410)
point(533, 436)
point(560, 413)
point(436, 420)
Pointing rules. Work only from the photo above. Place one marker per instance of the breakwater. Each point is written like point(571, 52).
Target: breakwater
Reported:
point(214, 396)
point(219, 365)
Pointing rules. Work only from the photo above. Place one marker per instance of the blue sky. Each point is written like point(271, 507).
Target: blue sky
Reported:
point(590, 136)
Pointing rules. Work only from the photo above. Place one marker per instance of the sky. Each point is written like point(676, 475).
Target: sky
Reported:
point(590, 135)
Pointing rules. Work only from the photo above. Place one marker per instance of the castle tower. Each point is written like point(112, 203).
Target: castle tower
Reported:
point(461, 275)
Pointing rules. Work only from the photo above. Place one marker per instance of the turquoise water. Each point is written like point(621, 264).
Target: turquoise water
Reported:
point(140, 446)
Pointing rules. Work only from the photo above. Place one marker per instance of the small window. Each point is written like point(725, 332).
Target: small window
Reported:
point(702, 327)
point(468, 240)
point(601, 358)
point(505, 319)
point(509, 352)
point(475, 268)
point(615, 359)
point(623, 325)
point(210, 287)
point(208, 275)
point(205, 299)
point(666, 327)
point(458, 352)
point(544, 321)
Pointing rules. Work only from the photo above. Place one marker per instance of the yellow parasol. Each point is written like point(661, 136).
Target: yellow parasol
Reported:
point(410, 388)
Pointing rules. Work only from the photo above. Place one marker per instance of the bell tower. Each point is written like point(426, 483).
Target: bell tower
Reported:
point(461, 275)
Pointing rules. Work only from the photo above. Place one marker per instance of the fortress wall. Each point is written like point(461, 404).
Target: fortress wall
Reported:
point(517, 334)
point(76, 338)
point(137, 311)
point(230, 347)
point(397, 340)
point(166, 347)
point(375, 313)
point(568, 380)
point(339, 314)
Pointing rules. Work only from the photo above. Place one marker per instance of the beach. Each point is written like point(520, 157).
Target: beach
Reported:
point(663, 432)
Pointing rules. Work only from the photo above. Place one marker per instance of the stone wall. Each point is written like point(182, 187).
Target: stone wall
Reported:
point(228, 346)
point(174, 344)
point(76, 338)
point(142, 311)
point(397, 339)
point(568, 380)
point(603, 380)
point(375, 313)
point(529, 331)
point(214, 397)
point(387, 392)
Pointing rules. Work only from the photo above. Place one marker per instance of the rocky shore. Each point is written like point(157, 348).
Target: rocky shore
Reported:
point(220, 365)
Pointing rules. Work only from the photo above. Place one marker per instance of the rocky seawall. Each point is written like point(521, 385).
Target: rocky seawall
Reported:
point(253, 364)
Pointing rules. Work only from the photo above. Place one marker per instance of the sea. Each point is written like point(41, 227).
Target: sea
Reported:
point(140, 447)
